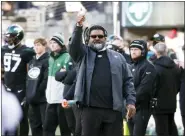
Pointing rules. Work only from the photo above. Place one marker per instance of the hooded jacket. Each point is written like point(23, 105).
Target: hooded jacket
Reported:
point(168, 84)
point(145, 75)
point(37, 79)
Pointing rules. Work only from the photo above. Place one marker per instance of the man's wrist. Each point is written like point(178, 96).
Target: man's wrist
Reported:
point(130, 105)
point(130, 102)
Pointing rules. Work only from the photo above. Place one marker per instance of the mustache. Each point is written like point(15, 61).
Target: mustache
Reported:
point(95, 42)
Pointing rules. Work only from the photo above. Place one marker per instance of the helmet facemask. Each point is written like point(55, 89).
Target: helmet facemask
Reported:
point(11, 39)
point(13, 35)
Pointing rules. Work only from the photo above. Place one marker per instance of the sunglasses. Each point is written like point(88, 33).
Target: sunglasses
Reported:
point(99, 36)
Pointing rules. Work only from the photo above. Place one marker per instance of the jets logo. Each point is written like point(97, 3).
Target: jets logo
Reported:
point(138, 13)
point(34, 72)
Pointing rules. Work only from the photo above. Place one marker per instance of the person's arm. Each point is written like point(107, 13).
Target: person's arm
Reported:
point(70, 77)
point(128, 86)
point(70, 94)
point(179, 77)
point(60, 75)
point(28, 54)
point(129, 91)
point(76, 48)
point(67, 77)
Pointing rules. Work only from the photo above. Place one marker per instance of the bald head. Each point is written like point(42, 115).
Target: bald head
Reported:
point(161, 49)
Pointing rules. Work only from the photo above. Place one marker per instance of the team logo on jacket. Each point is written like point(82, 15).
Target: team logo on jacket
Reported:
point(138, 13)
point(34, 72)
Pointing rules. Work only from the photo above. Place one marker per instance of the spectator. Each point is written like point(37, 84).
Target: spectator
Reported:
point(67, 77)
point(36, 86)
point(55, 115)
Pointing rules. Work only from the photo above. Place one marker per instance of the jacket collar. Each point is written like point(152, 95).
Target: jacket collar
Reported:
point(58, 54)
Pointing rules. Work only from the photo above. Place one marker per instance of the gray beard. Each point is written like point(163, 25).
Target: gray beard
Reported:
point(97, 46)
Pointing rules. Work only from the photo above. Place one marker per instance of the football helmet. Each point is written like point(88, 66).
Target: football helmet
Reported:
point(14, 34)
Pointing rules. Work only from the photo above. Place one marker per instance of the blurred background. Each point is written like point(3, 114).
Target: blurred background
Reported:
point(130, 20)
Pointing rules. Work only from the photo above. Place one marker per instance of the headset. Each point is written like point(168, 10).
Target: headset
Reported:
point(88, 30)
point(143, 52)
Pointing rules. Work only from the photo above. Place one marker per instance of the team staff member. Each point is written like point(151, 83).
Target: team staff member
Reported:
point(169, 84)
point(144, 81)
point(102, 99)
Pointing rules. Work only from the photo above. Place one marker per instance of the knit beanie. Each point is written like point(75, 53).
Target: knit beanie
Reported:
point(59, 39)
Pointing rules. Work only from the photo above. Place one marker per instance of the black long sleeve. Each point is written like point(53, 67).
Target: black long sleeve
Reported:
point(70, 94)
point(76, 48)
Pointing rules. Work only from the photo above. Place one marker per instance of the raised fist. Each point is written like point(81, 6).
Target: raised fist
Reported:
point(80, 18)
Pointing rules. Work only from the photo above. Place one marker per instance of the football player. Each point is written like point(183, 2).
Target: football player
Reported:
point(15, 57)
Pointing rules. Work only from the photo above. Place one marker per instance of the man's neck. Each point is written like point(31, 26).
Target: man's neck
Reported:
point(39, 55)
point(56, 53)
point(158, 56)
point(13, 46)
point(137, 59)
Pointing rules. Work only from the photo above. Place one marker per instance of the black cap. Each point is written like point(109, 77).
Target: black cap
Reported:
point(158, 38)
point(138, 44)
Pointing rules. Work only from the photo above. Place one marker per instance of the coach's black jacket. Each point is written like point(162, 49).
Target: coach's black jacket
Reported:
point(37, 79)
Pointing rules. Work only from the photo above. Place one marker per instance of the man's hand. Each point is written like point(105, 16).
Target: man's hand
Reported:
point(64, 103)
point(80, 18)
point(131, 111)
point(62, 70)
